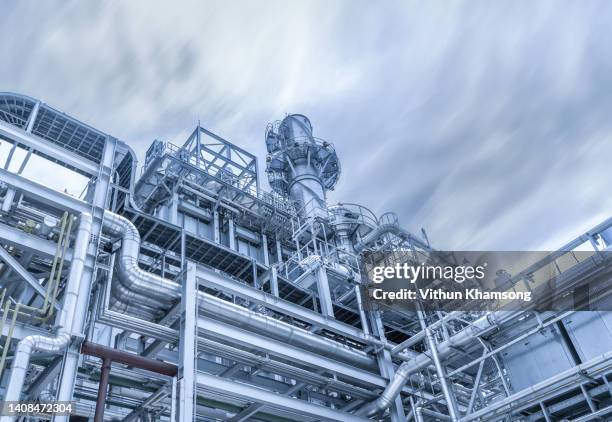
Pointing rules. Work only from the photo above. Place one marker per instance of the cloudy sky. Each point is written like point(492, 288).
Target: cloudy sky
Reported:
point(487, 123)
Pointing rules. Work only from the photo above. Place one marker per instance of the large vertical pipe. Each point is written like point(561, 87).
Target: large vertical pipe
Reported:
point(80, 300)
point(102, 388)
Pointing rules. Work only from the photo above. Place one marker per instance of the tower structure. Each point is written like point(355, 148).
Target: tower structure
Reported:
point(299, 165)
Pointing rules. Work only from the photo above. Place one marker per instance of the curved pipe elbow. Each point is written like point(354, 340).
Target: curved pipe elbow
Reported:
point(390, 393)
point(21, 359)
point(131, 275)
point(121, 293)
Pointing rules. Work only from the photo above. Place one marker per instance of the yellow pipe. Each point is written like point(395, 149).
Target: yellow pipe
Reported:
point(61, 266)
point(55, 259)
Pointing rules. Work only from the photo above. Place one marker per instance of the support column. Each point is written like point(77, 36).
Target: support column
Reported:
point(32, 117)
point(362, 315)
point(447, 391)
point(216, 226)
point(385, 364)
point(264, 243)
point(232, 233)
point(274, 281)
point(173, 209)
point(8, 200)
point(324, 293)
point(187, 347)
point(102, 387)
point(279, 251)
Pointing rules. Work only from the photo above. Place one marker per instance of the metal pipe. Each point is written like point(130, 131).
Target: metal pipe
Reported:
point(451, 403)
point(418, 414)
point(422, 361)
point(384, 229)
point(421, 334)
point(130, 359)
point(362, 315)
point(130, 301)
point(132, 276)
point(102, 388)
point(434, 414)
point(65, 318)
point(71, 361)
point(510, 403)
point(148, 284)
point(263, 324)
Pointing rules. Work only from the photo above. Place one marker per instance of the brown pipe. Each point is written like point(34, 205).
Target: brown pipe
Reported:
point(102, 387)
point(120, 356)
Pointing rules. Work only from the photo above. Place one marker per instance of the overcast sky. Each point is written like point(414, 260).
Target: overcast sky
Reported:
point(487, 123)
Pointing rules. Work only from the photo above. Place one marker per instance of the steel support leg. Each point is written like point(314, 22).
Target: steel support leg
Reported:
point(387, 369)
point(186, 377)
point(216, 227)
point(324, 293)
point(102, 388)
point(232, 233)
point(449, 396)
point(274, 281)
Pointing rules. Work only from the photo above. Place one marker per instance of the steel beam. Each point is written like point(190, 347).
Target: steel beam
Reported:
point(6, 257)
point(212, 383)
point(44, 194)
point(213, 279)
point(48, 149)
point(30, 243)
point(220, 330)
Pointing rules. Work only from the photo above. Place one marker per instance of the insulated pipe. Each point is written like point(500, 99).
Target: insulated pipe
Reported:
point(65, 318)
point(132, 276)
point(128, 299)
point(123, 294)
point(134, 309)
point(21, 361)
point(145, 283)
point(418, 414)
point(252, 321)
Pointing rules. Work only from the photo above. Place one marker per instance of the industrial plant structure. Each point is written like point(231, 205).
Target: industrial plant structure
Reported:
point(184, 291)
